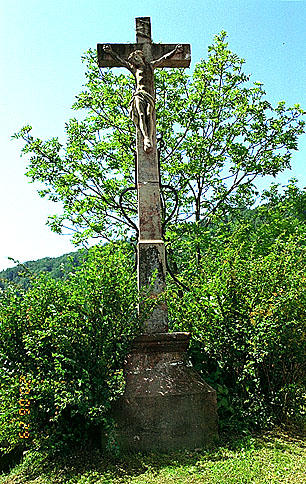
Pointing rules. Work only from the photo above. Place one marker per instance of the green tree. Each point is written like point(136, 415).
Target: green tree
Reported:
point(216, 134)
point(281, 212)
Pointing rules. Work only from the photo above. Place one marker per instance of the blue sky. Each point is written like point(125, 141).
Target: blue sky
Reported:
point(41, 45)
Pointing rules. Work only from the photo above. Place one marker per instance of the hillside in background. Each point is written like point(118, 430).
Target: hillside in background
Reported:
point(57, 267)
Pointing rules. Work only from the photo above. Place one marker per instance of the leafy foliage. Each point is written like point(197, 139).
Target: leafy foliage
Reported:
point(216, 133)
point(246, 311)
point(68, 338)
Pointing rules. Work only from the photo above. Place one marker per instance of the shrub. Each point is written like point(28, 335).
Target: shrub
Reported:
point(246, 310)
point(65, 342)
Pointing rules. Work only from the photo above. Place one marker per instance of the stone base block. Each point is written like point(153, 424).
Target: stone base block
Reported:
point(166, 405)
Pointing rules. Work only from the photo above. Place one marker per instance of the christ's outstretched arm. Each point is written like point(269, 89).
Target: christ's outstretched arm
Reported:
point(108, 50)
point(159, 62)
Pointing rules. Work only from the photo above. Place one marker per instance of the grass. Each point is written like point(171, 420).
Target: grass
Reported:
point(270, 458)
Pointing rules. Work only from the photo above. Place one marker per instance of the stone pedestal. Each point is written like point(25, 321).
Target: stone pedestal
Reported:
point(166, 405)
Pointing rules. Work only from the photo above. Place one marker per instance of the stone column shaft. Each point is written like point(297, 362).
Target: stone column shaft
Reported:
point(151, 248)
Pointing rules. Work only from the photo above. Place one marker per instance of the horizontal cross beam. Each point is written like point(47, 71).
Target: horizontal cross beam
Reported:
point(181, 59)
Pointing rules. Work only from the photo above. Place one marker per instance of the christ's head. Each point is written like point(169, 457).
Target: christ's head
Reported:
point(137, 58)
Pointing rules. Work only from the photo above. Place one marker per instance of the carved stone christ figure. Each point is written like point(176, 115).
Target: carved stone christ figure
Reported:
point(142, 105)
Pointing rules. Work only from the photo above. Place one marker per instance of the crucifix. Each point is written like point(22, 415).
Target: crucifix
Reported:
point(141, 59)
point(165, 405)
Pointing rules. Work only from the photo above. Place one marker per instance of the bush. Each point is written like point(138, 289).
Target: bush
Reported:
point(63, 343)
point(62, 347)
point(246, 310)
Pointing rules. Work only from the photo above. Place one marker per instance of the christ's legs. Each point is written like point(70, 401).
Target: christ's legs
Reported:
point(143, 125)
point(150, 121)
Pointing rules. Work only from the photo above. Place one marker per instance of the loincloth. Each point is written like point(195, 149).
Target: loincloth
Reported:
point(145, 98)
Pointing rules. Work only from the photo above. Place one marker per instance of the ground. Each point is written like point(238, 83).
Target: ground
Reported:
point(275, 457)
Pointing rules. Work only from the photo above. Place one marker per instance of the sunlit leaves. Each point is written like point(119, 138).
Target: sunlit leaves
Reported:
point(216, 134)
point(245, 307)
point(70, 339)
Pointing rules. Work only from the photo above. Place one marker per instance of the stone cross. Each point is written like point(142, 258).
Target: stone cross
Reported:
point(141, 59)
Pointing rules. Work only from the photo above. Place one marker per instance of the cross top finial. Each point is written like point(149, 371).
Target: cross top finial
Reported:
point(143, 30)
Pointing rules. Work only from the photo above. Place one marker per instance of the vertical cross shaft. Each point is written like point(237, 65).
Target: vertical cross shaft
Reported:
point(141, 59)
point(143, 30)
point(151, 248)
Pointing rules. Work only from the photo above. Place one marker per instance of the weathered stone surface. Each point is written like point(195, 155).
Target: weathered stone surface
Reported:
point(157, 51)
point(149, 211)
point(166, 405)
point(141, 59)
point(151, 260)
point(147, 163)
